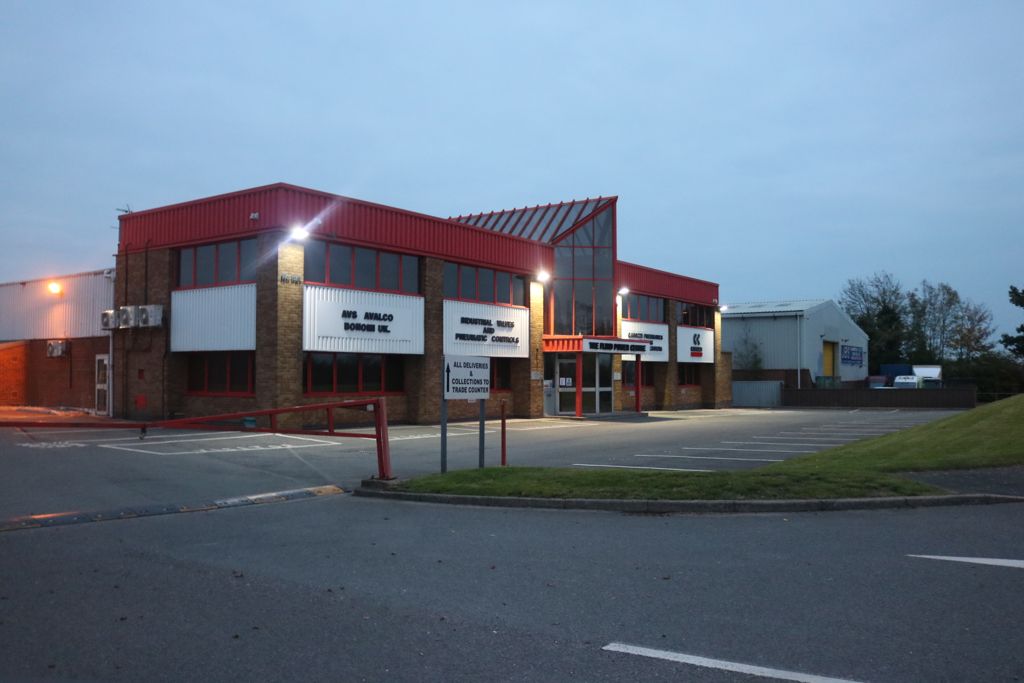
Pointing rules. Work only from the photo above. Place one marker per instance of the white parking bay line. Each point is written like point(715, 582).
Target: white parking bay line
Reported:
point(778, 443)
point(995, 562)
point(742, 450)
point(707, 457)
point(636, 467)
point(721, 664)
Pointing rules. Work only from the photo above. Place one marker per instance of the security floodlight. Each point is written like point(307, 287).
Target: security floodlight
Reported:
point(723, 308)
point(623, 291)
point(299, 233)
point(54, 288)
point(543, 276)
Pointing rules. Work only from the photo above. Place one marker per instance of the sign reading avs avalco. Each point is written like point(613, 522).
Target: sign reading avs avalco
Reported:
point(695, 344)
point(355, 321)
point(467, 377)
point(486, 330)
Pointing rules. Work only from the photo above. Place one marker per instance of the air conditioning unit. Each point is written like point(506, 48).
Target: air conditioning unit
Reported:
point(128, 316)
point(151, 316)
point(108, 320)
point(55, 348)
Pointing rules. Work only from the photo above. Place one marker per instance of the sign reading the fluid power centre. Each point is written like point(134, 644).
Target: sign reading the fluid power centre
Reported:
point(695, 344)
point(467, 377)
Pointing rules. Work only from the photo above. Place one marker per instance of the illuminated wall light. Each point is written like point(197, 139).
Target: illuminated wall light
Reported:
point(623, 291)
point(543, 276)
point(55, 288)
point(299, 233)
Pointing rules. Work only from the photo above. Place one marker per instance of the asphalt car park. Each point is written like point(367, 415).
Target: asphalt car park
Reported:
point(57, 469)
point(344, 588)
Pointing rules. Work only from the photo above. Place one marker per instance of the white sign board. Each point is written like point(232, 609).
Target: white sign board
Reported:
point(655, 333)
point(356, 321)
point(467, 377)
point(486, 330)
point(695, 344)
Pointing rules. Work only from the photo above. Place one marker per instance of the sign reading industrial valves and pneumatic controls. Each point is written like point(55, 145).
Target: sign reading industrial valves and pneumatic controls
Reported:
point(467, 377)
point(486, 330)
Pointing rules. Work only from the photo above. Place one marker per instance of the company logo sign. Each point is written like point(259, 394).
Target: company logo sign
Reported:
point(355, 321)
point(695, 345)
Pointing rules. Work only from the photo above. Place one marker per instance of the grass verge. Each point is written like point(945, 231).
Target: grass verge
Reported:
point(989, 436)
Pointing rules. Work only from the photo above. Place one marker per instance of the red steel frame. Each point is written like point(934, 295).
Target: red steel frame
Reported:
point(380, 419)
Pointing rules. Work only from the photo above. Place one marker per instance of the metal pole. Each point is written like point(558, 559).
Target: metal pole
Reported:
point(444, 426)
point(504, 453)
point(483, 419)
point(380, 417)
point(638, 380)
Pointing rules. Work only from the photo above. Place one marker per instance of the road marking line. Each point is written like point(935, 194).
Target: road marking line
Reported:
point(721, 664)
point(707, 457)
point(164, 440)
point(309, 438)
point(741, 450)
point(1016, 564)
point(777, 443)
point(806, 435)
point(637, 467)
point(211, 451)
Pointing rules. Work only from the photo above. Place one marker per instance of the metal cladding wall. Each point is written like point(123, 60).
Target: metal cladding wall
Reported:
point(645, 280)
point(29, 311)
point(280, 206)
point(214, 319)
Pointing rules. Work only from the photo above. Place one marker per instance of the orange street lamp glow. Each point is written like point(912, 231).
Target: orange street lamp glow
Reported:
point(54, 288)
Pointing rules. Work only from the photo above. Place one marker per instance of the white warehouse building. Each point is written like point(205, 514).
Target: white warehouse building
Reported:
point(795, 342)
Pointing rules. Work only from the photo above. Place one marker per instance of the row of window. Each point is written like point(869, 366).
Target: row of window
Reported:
point(470, 283)
point(225, 263)
point(340, 264)
point(687, 374)
point(643, 307)
point(695, 315)
point(231, 373)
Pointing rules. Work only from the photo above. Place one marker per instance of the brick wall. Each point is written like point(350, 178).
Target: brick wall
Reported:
point(143, 376)
point(66, 381)
point(13, 373)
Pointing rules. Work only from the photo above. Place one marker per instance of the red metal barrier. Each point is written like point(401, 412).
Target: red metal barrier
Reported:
point(377, 405)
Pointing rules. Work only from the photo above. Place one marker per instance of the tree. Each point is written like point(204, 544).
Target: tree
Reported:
point(878, 305)
point(972, 331)
point(747, 355)
point(1015, 343)
point(934, 312)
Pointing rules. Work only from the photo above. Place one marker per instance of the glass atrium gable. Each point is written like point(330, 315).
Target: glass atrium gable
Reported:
point(546, 223)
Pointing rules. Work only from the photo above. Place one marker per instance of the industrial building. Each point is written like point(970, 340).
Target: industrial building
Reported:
point(281, 295)
point(800, 343)
point(53, 349)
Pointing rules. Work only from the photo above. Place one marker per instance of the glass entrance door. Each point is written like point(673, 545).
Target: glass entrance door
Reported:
point(101, 384)
point(595, 383)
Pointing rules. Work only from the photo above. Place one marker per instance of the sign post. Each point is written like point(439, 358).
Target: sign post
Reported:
point(465, 377)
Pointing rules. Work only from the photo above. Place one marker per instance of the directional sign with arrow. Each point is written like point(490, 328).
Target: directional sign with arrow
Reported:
point(467, 377)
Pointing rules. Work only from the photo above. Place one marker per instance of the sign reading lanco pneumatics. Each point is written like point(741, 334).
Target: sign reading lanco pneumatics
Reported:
point(695, 344)
point(467, 377)
point(656, 334)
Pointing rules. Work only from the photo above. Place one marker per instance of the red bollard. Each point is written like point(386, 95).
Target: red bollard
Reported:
point(504, 454)
point(380, 417)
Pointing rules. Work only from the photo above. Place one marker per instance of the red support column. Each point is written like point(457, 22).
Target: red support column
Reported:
point(638, 382)
point(579, 384)
point(380, 418)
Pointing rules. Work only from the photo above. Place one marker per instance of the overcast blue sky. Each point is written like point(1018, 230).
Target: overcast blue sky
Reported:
point(775, 148)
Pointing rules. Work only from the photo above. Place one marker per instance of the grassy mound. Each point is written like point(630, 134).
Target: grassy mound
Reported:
point(990, 436)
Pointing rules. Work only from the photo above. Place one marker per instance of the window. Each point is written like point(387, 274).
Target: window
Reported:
point(470, 283)
point(643, 307)
point(694, 315)
point(226, 263)
point(345, 266)
point(501, 374)
point(352, 373)
point(583, 301)
point(629, 374)
point(220, 372)
point(689, 373)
